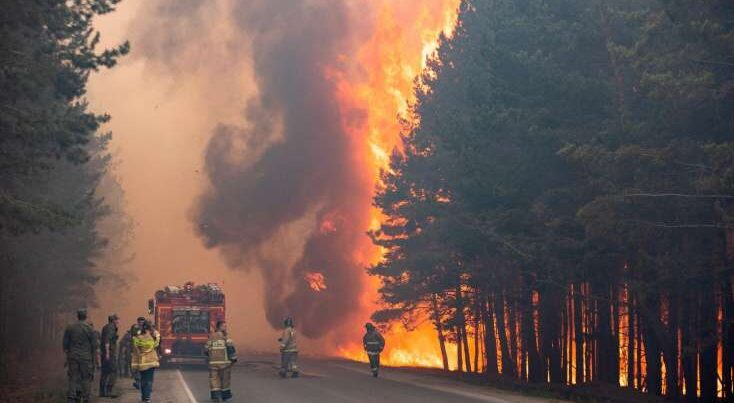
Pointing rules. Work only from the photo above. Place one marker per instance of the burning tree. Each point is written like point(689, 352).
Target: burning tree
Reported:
point(561, 205)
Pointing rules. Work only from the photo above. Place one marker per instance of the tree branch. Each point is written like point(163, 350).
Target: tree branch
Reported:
point(677, 226)
point(681, 195)
point(714, 62)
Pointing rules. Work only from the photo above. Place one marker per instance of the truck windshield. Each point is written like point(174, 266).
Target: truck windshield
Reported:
point(187, 321)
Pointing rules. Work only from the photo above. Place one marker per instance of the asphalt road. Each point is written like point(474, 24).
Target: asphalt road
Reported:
point(255, 379)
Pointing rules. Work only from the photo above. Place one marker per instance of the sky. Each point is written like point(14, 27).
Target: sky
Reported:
point(160, 127)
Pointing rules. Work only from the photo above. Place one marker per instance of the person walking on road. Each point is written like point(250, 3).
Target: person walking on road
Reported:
point(221, 355)
point(136, 329)
point(80, 347)
point(108, 356)
point(288, 350)
point(373, 343)
point(145, 358)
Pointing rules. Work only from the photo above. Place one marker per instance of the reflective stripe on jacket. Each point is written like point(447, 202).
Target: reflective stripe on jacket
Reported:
point(218, 349)
point(145, 355)
point(373, 342)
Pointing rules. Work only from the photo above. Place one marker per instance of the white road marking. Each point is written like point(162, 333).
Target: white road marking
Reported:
point(186, 387)
point(471, 395)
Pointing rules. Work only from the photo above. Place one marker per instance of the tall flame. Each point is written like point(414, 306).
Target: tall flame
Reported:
point(404, 35)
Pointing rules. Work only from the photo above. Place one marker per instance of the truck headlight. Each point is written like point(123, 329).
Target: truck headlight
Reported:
point(167, 351)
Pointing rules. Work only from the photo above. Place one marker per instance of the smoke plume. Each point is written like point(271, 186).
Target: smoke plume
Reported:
point(291, 152)
point(291, 166)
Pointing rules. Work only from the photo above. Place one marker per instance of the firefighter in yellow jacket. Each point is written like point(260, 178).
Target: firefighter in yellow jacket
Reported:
point(145, 358)
point(288, 350)
point(221, 356)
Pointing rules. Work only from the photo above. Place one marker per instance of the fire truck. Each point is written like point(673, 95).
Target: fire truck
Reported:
point(185, 316)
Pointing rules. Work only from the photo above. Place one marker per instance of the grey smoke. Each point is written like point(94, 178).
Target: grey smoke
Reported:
point(290, 156)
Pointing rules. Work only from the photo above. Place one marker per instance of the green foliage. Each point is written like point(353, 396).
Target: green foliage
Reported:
point(52, 161)
point(559, 145)
point(47, 50)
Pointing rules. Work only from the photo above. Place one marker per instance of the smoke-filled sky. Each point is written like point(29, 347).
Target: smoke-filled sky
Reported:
point(245, 139)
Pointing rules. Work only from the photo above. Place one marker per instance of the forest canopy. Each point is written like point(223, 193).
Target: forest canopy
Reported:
point(562, 205)
point(53, 160)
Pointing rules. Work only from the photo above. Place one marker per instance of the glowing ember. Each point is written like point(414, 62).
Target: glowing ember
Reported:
point(327, 227)
point(316, 281)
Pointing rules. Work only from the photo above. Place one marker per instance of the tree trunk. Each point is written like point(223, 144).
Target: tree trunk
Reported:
point(490, 342)
point(728, 342)
point(467, 356)
point(608, 346)
point(652, 354)
point(459, 359)
point(657, 338)
point(530, 349)
point(671, 360)
point(462, 328)
point(476, 344)
point(508, 364)
point(630, 341)
point(439, 330)
point(707, 337)
point(578, 333)
point(638, 349)
point(689, 344)
point(550, 335)
point(512, 325)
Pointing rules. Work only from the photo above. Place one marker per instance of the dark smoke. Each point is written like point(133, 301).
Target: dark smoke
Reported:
point(292, 158)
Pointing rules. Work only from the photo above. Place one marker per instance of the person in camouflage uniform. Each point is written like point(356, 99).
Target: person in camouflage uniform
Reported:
point(108, 354)
point(125, 354)
point(80, 347)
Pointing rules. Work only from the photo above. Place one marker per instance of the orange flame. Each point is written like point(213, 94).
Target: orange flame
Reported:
point(327, 227)
point(403, 348)
point(404, 34)
point(316, 281)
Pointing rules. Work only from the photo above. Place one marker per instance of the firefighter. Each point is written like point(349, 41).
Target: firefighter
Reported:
point(108, 355)
point(145, 358)
point(288, 350)
point(136, 329)
point(373, 343)
point(80, 347)
point(221, 355)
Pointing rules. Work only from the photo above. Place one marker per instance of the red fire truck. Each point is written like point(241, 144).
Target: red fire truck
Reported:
point(185, 316)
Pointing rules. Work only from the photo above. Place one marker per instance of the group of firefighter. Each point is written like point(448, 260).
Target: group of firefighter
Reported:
point(136, 355)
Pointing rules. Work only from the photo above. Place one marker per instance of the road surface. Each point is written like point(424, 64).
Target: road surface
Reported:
point(255, 379)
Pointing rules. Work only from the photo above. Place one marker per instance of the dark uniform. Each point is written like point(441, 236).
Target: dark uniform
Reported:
point(108, 354)
point(374, 343)
point(80, 346)
point(125, 355)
